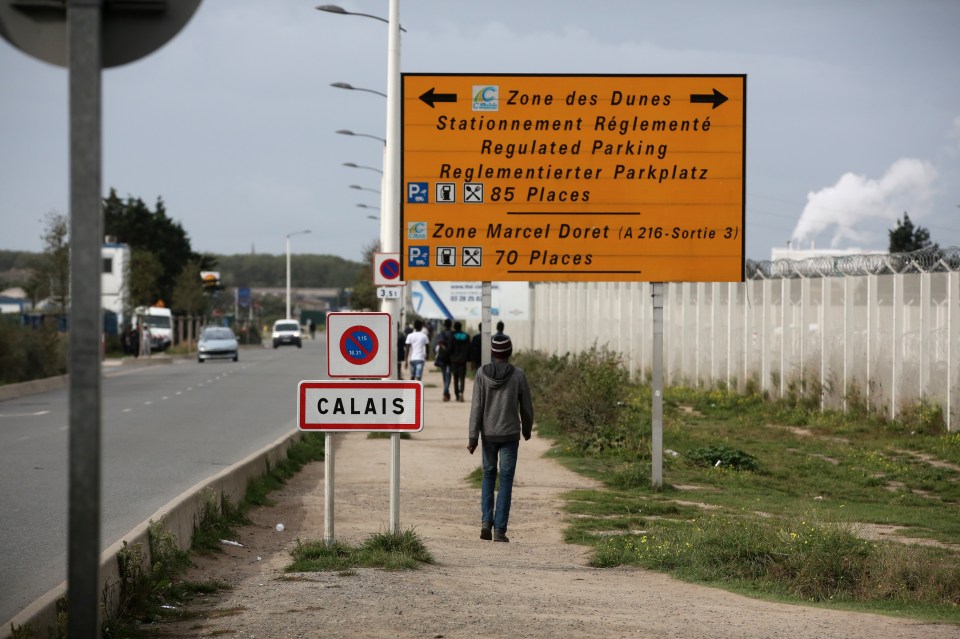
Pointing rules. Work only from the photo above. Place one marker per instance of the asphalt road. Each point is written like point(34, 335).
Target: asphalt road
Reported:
point(165, 428)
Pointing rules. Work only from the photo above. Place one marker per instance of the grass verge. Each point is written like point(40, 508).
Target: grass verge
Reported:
point(773, 499)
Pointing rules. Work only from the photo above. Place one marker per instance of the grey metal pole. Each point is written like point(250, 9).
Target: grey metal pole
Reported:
point(287, 316)
point(390, 222)
point(657, 409)
point(486, 300)
point(86, 236)
point(329, 473)
point(395, 483)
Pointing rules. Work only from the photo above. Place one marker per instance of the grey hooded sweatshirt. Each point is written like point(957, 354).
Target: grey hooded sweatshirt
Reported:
point(502, 408)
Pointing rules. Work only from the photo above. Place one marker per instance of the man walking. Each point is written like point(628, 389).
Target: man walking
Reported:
point(442, 349)
point(416, 344)
point(458, 355)
point(502, 411)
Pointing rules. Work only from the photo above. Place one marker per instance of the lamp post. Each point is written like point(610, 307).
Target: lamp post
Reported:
point(360, 135)
point(363, 188)
point(353, 165)
point(289, 235)
point(350, 87)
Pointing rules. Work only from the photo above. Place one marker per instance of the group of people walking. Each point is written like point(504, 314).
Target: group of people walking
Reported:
point(501, 411)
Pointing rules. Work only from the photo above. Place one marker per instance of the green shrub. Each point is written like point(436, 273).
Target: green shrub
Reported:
point(922, 417)
point(27, 353)
point(580, 396)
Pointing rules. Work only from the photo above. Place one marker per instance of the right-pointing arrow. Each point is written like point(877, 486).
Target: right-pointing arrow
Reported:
point(716, 98)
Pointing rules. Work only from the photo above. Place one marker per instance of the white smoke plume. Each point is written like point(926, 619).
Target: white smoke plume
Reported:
point(861, 210)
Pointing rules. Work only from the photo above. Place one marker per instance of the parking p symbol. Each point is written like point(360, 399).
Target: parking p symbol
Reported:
point(417, 193)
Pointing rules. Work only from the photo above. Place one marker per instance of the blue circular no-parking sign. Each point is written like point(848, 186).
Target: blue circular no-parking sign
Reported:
point(359, 345)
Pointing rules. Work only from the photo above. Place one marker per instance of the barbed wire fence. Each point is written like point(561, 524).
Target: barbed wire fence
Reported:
point(928, 260)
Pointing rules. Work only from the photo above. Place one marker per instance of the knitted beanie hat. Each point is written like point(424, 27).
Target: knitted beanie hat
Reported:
point(501, 346)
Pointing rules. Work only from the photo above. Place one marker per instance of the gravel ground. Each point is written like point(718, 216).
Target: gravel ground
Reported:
point(535, 586)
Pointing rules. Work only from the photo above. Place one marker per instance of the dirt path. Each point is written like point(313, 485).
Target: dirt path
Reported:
point(535, 586)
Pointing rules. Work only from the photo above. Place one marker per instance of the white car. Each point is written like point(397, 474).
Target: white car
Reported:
point(286, 331)
point(217, 342)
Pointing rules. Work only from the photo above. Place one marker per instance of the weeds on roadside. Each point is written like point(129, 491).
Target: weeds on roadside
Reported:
point(391, 551)
point(149, 590)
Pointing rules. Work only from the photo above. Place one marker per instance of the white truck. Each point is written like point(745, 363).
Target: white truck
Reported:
point(160, 322)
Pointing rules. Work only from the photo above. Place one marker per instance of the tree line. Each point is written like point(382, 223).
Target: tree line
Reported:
point(163, 265)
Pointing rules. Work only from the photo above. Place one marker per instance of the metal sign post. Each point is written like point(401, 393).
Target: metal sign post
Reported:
point(86, 36)
point(656, 479)
point(83, 549)
point(383, 406)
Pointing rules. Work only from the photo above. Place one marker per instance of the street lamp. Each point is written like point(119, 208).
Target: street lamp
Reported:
point(363, 188)
point(332, 8)
point(361, 135)
point(360, 166)
point(347, 85)
point(289, 235)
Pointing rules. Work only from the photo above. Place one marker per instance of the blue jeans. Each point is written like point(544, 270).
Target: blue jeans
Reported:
point(416, 369)
point(445, 369)
point(507, 453)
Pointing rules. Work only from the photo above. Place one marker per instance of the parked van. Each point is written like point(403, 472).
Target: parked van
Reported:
point(160, 322)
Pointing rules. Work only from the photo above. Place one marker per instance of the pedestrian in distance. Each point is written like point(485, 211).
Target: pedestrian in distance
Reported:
point(476, 348)
point(401, 351)
point(416, 344)
point(459, 353)
point(499, 328)
point(501, 413)
point(442, 349)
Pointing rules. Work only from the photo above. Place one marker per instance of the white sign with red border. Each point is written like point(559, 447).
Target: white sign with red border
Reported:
point(359, 345)
point(386, 269)
point(383, 406)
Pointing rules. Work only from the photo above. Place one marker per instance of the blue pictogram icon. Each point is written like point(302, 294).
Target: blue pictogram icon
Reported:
point(417, 193)
point(418, 256)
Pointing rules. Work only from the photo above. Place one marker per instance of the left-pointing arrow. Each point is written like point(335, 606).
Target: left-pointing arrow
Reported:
point(716, 98)
point(431, 97)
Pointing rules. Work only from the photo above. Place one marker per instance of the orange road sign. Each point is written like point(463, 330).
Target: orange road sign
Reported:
point(573, 177)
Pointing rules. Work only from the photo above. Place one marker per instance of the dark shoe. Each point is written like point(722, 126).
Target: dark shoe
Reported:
point(486, 531)
point(500, 535)
point(446, 398)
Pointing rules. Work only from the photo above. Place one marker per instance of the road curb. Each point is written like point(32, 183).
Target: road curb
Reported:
point(33, 387)
point(178, 516)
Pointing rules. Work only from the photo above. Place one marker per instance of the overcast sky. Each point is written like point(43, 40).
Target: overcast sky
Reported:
point(853, 111)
